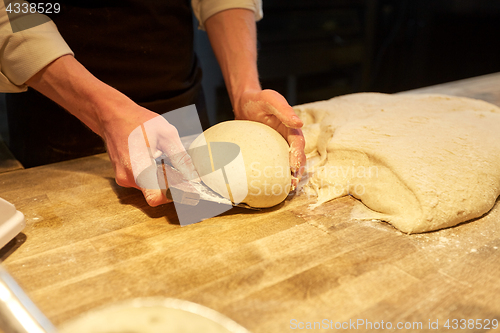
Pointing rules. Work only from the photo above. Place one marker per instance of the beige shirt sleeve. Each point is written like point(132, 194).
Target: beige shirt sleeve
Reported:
point(203, 9)
point(25, 53)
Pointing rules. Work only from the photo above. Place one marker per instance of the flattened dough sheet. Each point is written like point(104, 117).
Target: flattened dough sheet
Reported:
point(419, 162)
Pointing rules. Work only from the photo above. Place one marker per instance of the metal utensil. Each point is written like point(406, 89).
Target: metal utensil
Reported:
point(18, 314)
point(189, 192)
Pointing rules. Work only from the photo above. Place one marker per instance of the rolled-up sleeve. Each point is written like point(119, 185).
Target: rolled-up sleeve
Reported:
point(25, 53)
point(203, 9)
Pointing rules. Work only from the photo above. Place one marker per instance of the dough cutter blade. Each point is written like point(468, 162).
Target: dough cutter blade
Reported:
point(188, 192)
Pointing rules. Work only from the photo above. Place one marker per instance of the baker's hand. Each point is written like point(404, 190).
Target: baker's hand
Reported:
point(272, 109)
point(136, 137)
point(114, 116)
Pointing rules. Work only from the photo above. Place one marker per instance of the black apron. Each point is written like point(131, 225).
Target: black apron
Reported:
point(142, 48)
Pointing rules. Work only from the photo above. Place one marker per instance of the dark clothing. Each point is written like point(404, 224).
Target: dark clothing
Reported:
point(142, 48)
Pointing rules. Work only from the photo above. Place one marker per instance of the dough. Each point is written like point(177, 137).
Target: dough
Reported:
point(259, 176)
point(419, 162)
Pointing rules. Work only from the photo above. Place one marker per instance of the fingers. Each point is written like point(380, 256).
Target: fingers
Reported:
point(267, 103)
point(182, 162)
point(168, 141)
point(164, 137)
point(279, 107)
point(297, 156)
point(155, 197)
point(140, 153)
point(145, 143)
point(124, 181)
point(285, 113)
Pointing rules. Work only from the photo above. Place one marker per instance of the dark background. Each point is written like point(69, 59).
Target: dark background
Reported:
point(316, 49)
point(311, 50)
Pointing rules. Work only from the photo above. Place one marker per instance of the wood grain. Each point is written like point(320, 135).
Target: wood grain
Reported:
point(90, 243)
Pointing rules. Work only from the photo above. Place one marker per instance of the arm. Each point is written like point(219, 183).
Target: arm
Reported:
point(232, 34)
point(113, 116)
point(38, 56)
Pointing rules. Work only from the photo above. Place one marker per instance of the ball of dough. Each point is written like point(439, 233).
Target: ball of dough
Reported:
point(260, 173)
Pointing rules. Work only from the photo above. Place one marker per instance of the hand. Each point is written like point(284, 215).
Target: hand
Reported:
point(114, 117)
point(270, 108)
point(133, 140)
point(233, 36)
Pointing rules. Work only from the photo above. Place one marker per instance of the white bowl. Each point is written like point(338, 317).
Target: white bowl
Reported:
point(152, 315)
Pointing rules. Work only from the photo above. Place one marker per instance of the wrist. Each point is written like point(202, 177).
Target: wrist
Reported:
point(106, 106)
point(237, 94)
point(69, 84)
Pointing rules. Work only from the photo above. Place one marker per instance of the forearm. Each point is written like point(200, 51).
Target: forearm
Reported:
point(69, 84)
point(114, 117)
point(233, 38)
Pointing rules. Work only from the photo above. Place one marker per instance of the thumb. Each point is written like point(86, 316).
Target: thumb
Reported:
point(154, 197)
point(278, 106)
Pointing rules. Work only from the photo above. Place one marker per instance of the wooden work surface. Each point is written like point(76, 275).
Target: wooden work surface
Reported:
point(89, 242)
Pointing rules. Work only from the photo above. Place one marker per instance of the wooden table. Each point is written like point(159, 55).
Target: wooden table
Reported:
point(89, 242)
